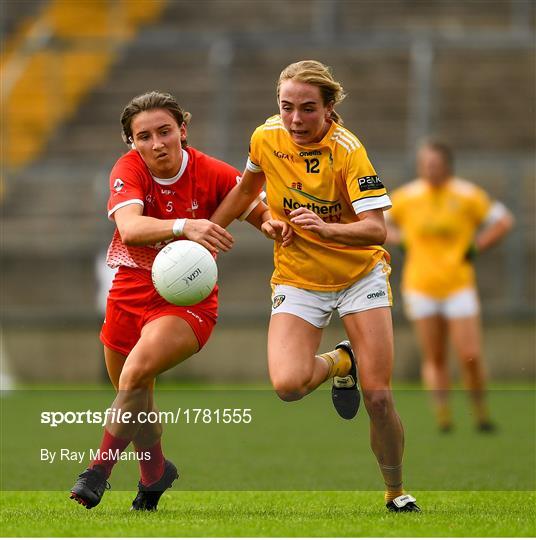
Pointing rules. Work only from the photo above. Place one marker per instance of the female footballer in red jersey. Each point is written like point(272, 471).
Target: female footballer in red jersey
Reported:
point(161, 190)
point(320, 183)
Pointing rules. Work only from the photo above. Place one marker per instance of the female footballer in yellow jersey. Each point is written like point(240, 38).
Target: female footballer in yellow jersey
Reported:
point(442, 221)
point(326, 211)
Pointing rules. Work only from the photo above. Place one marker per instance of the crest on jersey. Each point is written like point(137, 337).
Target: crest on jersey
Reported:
point(118, 184)
point(277, 300)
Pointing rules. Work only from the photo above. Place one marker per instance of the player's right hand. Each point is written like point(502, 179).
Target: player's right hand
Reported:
point(280, 231)
point(208, 234)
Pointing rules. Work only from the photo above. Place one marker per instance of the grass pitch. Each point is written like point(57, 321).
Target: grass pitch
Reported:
point(295, 470)
point(272, 514)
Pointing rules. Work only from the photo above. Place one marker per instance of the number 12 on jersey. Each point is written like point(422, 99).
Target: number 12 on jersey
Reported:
point(312, 165)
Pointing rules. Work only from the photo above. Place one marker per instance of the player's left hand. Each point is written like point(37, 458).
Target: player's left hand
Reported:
point(309, 221)
point(208, 234)
point(277, 230)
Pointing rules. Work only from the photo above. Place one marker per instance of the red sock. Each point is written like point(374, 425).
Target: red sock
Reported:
point(151, 462)
point(108, 454)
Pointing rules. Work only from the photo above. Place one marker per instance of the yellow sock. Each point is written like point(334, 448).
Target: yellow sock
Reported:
point(391, 494)
point(481, 412)
point(338, 362)
point(392, 476)
point(444, 418)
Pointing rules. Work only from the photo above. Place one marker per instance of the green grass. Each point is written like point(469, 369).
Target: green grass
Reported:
point(296, 470)
point(272, 514)
point(300, 446)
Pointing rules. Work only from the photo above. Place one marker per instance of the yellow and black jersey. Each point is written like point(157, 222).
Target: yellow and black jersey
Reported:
point(335, 179)
point(438, 224)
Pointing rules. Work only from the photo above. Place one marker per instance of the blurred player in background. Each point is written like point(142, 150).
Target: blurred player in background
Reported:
point(319, 181)
point(161, 190)
point(441, 222)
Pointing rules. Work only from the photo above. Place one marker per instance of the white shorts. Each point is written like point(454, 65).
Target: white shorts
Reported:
point(463, 303)
point(316, 307)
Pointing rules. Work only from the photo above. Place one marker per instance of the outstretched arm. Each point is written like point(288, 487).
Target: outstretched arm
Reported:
point(136, 229)
point(238, 202)
point(239, 199)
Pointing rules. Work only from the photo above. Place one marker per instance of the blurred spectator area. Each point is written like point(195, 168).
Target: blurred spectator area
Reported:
point(463, 70)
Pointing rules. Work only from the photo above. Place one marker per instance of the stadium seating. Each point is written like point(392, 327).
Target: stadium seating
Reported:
point(62, 54)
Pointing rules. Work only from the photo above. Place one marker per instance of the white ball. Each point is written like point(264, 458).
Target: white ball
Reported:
point(184, 273)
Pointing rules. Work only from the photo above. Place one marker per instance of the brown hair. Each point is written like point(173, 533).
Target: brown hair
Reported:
point(317, 74)
point(441, 148)
point(147, 102)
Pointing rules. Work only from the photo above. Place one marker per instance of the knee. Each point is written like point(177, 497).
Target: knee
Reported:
point(435, 361)
point(289, 390)
point(379, 404)
point(470, 357)
point(135, 378)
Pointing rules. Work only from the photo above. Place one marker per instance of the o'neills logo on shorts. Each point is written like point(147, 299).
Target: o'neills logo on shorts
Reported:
point(377, 294)
point(277, 300)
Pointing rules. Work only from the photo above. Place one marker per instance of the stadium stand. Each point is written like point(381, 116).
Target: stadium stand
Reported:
point(63, 53)
point(14, 17)
point(414, 14)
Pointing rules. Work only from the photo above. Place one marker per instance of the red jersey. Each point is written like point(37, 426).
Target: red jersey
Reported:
point(194, 192)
